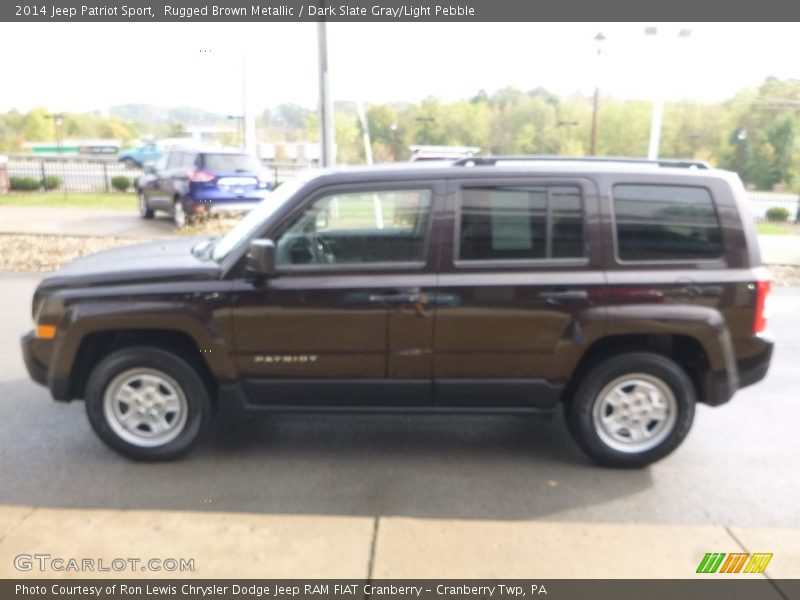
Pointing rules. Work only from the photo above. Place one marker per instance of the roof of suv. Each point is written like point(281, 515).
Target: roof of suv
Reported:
point(498, 167)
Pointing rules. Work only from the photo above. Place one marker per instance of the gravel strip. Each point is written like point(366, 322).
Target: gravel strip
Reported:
point(49, 252)
point(784, 275)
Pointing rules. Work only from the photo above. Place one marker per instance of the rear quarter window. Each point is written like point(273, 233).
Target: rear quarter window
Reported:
point(665, 222)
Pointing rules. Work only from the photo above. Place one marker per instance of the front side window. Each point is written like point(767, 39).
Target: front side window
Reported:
point(351, 228)
point(521, 223)
point(666, 222)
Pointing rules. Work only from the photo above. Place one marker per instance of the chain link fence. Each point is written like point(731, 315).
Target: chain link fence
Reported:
point(71, 174)
point(758, 203)
point(76, 174)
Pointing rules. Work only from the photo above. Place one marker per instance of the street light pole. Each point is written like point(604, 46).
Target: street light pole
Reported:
point(393, 127)
point(599, 39)
point(58, 121)
point(325, 102)
point(658, 102)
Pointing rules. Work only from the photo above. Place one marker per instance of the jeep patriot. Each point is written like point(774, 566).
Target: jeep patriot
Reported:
point(623, 291)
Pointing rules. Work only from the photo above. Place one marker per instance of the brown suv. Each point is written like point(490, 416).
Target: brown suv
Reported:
point(625, 291)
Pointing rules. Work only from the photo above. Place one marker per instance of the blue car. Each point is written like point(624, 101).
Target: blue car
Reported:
point(190, 184)
point(141, 155)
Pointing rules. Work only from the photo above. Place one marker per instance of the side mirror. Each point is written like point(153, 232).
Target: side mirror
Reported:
point(260, 259)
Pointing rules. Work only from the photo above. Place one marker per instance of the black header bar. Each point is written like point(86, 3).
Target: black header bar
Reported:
point(147, 11)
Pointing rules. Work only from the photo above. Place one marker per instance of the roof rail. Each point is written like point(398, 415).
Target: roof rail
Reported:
point(477, 161)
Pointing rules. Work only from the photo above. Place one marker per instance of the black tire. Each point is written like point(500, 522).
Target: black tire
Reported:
point(130, 163)
point(610, 449)
point(179, 215)
point(144, 210)
point(178, 376)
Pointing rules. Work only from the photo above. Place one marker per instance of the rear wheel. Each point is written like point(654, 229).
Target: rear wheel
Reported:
point(632, 409)
point(147, 403)
point(145, 211)
point(130, 163)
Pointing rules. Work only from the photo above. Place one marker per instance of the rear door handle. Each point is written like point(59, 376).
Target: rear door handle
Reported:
point(564, 295)
point(409, 297)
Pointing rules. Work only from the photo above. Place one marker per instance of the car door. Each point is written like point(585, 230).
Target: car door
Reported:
point(162, 186)
point(517, 290)
point(346, 321)
point(153, 186)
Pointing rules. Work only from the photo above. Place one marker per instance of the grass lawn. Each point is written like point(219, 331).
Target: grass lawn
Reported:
point(767, 228)
point(98, 201)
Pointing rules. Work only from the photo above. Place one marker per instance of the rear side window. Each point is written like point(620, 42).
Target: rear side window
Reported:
point(521, 222)
point(666, 222)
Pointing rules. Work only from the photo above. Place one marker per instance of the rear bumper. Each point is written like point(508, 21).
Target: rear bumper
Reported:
point(220, 208)
point(720, 387)
point(754, 368)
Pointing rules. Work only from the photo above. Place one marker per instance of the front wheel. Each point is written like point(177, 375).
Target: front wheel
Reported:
point(147, 403)
point(632, 409)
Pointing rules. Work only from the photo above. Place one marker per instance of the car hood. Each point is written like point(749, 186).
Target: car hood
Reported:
point(139, 263)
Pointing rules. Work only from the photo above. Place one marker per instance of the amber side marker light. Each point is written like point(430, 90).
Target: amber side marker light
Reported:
point(45, 332)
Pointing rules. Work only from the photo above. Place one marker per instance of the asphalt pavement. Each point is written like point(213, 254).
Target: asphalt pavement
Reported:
point(393, 496)
point(83, 222)
point(738, 467)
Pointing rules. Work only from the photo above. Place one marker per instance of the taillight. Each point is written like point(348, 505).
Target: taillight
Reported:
point(200, 176)
point(762, 291)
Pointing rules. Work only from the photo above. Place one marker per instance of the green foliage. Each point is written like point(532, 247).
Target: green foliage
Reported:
point(52, 182)
point(756, 133)
point(23, 184)
point(777, 214)
point(120, 183)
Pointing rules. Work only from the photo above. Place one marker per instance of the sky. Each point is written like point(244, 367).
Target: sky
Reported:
point(79, 67)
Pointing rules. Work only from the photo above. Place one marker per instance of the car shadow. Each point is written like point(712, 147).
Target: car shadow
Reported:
point(473, 467)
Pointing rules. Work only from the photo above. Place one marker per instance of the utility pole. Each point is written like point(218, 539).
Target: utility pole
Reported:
point(362, 117)
point(248, 139)
point(326, 130)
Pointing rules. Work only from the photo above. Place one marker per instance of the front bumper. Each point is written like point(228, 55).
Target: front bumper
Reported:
point(221, 208)
point(36, 370)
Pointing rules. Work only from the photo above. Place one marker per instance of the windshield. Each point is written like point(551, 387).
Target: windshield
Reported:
point(245, 228)
point(231, 163)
